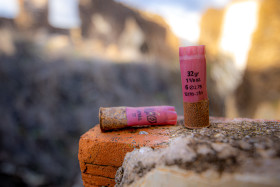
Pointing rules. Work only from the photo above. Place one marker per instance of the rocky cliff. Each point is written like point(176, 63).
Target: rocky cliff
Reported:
point(243, 57)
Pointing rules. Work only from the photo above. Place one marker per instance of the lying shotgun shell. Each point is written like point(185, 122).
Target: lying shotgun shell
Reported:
point(122, 117)
point(193, 76)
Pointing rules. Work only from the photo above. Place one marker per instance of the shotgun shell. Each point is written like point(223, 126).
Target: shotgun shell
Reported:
point(122, 117)
point(193, 77)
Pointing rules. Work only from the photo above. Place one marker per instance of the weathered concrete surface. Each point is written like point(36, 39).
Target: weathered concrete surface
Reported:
point(239, 152)
point(174, 176)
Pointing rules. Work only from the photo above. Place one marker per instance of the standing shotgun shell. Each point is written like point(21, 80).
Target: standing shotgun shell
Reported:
point(122, 117)
point(193, 77)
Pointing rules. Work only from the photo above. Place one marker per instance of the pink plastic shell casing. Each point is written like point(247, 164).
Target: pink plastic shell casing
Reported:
point(155, 115)
point(193, 73)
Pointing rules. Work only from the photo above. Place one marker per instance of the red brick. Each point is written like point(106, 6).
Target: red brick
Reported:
point(92, 180)
point(106, 171)
point(100, 154)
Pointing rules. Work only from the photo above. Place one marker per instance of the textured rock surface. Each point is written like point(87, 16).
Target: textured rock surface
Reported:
point(230, 152)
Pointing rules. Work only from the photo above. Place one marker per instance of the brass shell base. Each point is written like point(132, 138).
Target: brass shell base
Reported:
point(196, 115)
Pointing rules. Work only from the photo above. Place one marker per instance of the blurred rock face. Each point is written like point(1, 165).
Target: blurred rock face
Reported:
point(264, 52)
point(243, 55)
point(239, 22)
point(211, 30)
point(109, 30)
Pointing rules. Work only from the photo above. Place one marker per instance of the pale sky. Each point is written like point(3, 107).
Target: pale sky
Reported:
point(9, 8)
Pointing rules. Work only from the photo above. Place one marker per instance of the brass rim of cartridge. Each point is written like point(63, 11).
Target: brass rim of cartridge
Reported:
point(112, 118)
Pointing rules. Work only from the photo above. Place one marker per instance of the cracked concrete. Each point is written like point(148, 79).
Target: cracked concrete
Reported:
point(239, 152)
